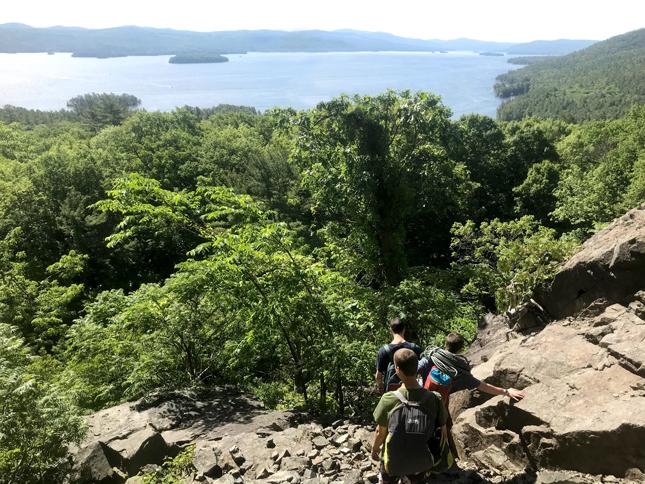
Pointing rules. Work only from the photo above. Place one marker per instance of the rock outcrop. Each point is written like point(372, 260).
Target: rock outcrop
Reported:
point(610, 266)
point(583, 375)
point(235, 441)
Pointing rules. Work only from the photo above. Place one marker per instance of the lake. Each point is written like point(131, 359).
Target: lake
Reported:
point(463, 79)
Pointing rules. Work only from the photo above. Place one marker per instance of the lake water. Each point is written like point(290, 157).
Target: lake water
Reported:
point(463, 79)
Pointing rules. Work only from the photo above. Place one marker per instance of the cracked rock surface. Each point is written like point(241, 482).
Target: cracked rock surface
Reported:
point(583, 374)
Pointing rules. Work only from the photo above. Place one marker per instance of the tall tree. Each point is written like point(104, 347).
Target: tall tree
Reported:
point(382, 183)
point(100, 110)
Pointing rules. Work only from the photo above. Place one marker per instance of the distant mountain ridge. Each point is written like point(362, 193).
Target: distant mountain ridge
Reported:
point(601, 81)
point(132, 40)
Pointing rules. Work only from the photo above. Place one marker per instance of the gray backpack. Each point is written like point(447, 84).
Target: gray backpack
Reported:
point(410, 427)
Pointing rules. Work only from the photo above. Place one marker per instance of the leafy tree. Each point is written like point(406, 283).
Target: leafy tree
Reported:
point(251, 299)
point(504, 262)
point(482, 148)
point(600, 167)
point(100, 110)
point(37, 422)
point(535, 196)
point(157, 145)
point(636, 192)
point(432, 307)
point(381, 180)
point(34, 117)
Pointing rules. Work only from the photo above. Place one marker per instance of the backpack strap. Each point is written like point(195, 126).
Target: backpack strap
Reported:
point(388, 351)
point(401, 398)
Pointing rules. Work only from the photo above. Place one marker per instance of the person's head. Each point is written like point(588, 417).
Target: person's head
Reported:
point(455, 343)
point(397, 326)
point(405, 362)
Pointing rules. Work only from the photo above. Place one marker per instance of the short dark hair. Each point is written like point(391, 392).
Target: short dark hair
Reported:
point(455, 342)
point(407, 361)
point(396, 325)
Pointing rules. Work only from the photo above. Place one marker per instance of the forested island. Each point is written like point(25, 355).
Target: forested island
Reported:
point(147, 251)
point(600, 82)
point(197, 59)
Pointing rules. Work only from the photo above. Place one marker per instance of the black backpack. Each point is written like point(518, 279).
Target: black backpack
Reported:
point(410, 427)
point(391, 377)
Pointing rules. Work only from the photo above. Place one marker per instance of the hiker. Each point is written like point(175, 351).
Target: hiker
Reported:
point(446, 371)
point(407, 420)
point(386, 379)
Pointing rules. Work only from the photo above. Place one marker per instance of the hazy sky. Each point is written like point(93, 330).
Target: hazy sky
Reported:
point(504, 20)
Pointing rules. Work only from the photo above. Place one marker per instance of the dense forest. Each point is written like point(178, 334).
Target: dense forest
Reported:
point(129, 41)
point(147, 251)
point(602, 81)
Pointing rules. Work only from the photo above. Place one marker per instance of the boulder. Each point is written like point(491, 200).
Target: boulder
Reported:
point(527, 316)
point(625, 339)
point(585, 399)
point(610, 265)
point(97, 463)
point(145, 446)
point(206, 461)
point(225, 479)
point(298, 464)
point(282, 477)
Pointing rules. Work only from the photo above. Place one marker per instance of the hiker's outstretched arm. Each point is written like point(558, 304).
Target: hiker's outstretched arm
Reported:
point(493, 390)
point(379, 381)
point(379, 438)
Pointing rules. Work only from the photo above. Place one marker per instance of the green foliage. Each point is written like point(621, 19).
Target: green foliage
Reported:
point(505, 262)
point(34, 117)
point(41, 309)
point(100, 110)
point(37, 422)
point(176, 470)
point(251, 298)
point(431, 306)
point(602, 81)
point(536, 193)
point(483, 149)
point(601, 176)
point(156, 145)
point(382, 182)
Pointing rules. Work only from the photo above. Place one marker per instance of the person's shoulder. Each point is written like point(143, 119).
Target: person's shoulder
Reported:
point(432, 398)
point(383, 349)
point(414, 347)
point(388, 399)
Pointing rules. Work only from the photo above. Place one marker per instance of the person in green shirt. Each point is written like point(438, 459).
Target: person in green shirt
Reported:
point(405, 361)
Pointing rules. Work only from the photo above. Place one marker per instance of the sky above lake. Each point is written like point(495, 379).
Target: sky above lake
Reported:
point(502, 20)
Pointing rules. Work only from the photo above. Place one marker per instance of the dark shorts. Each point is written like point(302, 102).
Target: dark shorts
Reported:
point(385, 478)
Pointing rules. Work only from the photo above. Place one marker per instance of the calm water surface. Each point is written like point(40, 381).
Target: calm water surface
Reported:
point(464, 80)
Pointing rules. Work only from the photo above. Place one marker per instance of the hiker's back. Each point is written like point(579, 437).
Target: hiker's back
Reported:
point(411, 425)
point(385, 363)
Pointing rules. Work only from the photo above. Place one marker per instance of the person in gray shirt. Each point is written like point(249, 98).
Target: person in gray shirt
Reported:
point(447, 368)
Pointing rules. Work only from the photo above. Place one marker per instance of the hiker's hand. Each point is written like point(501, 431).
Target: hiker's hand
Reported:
point(515, 394)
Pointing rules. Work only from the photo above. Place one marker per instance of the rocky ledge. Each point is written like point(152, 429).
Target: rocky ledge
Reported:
point(235, 440)
point(583, 374)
